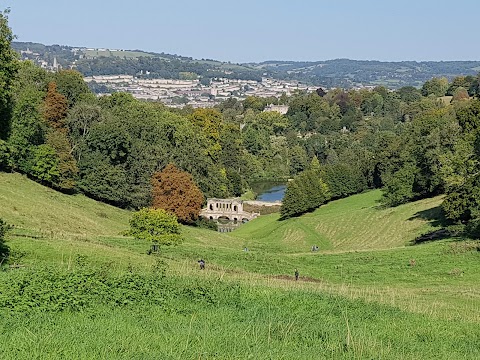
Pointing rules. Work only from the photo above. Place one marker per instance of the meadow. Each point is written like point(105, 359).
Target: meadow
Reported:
point(76, 288)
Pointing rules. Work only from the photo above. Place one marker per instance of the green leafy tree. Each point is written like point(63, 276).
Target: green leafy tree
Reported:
point(416, 171)
point(297, 158)
point(102, 167)
point(460, 82)
point(210, 122)
point(5, 156)
point(80, 120)
point(344, 179)
point(469, 116)
point(157, 226)
point(67, 166)
point(435, 86)
point(462, 203)
point(71, 85)
point(28, 128)
point(409, 94)
point(45, 164)
point(399, 185)
point(8, 70)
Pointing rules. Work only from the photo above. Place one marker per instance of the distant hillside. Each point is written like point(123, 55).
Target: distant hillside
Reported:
point(132, 62)
point(330, 73)
point(348, 73)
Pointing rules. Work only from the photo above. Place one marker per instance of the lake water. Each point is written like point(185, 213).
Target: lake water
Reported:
point(269, 191)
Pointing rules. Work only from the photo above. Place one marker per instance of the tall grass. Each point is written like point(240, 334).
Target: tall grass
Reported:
point(213, 318)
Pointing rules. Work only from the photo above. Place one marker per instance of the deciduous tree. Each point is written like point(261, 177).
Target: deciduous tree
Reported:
point(155, 225)
point(55, 108)
point(174, 190)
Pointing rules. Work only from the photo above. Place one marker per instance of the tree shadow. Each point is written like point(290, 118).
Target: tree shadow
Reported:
point(436, 218)
point(4, 252)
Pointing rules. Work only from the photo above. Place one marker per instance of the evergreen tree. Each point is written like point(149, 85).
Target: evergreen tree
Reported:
point(306, 192)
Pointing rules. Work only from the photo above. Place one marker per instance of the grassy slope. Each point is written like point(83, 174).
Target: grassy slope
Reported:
point(31, 206)
point(434, 305)
point(355, 223)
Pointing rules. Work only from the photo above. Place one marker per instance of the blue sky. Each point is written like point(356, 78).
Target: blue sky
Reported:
point(243, 31)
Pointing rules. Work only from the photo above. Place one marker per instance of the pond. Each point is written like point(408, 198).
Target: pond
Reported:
point(269, 191)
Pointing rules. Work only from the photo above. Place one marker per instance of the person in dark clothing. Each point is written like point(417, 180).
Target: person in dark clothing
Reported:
point(296, 274)
point(202, 264)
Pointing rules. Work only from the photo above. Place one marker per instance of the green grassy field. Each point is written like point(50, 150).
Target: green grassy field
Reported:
point(358, 297)
point(112, 53)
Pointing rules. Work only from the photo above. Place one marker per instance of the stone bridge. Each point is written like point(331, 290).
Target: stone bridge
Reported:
point(228, 209)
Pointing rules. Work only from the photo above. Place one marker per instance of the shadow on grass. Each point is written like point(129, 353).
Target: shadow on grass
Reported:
point(436, 218)
point(4, 252)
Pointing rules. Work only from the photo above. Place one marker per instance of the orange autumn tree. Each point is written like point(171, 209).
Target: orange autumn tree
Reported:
point(175, 191)
point(55, 108)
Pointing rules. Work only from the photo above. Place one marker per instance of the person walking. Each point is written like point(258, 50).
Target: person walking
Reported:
point(296, 274)
point(202, 264)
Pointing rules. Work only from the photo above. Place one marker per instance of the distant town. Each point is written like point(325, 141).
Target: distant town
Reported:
point(177, 93)
point(172, 92)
